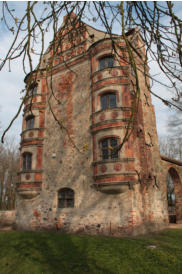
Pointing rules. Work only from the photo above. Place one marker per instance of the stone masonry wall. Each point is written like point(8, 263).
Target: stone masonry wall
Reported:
point(7, 218)
point(70, 154)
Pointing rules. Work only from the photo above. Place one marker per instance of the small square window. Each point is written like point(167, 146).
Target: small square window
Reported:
point(65, 198)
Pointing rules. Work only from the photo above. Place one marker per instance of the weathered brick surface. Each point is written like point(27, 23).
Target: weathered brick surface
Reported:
point(122, 197)
point(7, 218)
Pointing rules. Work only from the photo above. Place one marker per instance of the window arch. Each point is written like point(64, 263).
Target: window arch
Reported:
point(27, 161)
point(106, 62)
point(30, 122)
point(65, 198)
point(108, 100)
point(109, 148)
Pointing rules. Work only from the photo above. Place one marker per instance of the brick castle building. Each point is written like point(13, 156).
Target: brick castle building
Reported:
point(72, 177)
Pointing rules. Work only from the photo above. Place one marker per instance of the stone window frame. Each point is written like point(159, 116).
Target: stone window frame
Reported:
point(101, 93)
point(66, 198)
point(33, 89)
point(106, 62)
point(30, 121)
point(107, 94)
point(27, 161)
point(109, 154)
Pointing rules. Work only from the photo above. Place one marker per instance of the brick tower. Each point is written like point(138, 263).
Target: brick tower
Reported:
point(71, 176)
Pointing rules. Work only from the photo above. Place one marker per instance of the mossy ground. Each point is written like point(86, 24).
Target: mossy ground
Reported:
point(43, 252)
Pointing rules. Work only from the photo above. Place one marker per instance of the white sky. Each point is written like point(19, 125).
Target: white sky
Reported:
point(11, 83)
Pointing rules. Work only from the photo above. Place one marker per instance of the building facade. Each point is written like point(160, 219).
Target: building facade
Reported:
point(72, 176)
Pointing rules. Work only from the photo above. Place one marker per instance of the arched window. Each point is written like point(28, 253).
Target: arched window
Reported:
point(106, 62)
point(30, 122)
point(27, 161)
point(65, 198)
point(108, 100)
point(33, 89)
point(108, 148)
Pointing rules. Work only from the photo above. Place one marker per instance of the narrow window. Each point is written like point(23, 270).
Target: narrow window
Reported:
point(30, 122)
point(108, 100)
point(33, 89)
point(65, 198)
point(132, 71)
point(106, 62)
point(27, 161)
point(108, 147)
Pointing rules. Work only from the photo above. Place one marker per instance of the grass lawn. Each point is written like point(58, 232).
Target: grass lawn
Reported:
point(43, 252)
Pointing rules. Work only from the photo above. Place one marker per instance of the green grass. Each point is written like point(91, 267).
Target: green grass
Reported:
point(43, 252)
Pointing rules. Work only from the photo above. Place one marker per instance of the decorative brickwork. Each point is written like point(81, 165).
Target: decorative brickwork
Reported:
point(123, 193)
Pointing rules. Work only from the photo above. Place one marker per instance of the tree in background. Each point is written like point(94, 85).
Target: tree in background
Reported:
point(171, 147)
point(158, 24)
point(9, 164)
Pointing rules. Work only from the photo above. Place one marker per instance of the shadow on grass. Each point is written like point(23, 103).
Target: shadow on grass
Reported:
point(30, 252)
point(43, 252)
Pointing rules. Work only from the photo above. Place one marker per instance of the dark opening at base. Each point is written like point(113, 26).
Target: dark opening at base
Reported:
point(172, 219)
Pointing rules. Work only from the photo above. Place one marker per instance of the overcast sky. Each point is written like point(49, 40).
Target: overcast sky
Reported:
point(11, 83)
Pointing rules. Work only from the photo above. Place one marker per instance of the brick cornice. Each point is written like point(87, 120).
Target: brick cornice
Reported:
point(113, 125)
point(109, 69)
point(112, 175)
point(32, 141)
point(108, 122)
point(125, 160)
point(32, 129)
point(30, 171)
point(29, 183)
point(113, 78)
point(111, 109)
point(170, 160)
point(31, 145)
point(115, 183)
point(94, 89)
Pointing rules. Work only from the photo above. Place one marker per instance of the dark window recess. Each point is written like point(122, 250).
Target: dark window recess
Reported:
point(65, 198)
point(30, 122)
point(108, 147)
point(108, 100)
point(106, 62)
point(33, 90)
point(27, 161)
point(132, 71)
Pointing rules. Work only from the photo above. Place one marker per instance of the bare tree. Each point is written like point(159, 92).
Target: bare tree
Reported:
point(171, 147)
point(158, 24)
point(9, 158)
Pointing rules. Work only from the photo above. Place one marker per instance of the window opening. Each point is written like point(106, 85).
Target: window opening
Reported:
point(33, 90)
point(27, 161)
point(106, 62)
point(171, 199)
point(65, 198)
point(108, 147)
point(108, 100)
point(30, 122)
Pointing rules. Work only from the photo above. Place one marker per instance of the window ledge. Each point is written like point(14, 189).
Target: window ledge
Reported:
point(111, 109)
point(66, 209)
point(26, 130)
point(30, 171)
point(110, 68)
point(108, 122)
point(113, 161)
